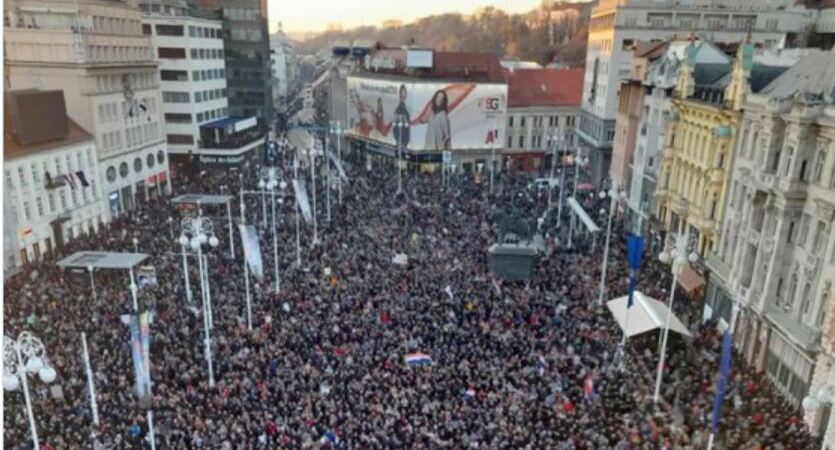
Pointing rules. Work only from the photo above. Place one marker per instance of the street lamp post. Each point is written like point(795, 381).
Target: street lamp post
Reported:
point(135, 245)
point(562, 185)
point(183, 243)
point(336, 129)
point(92, 281)
point(312, 152)
point(200, 228)
point(170, 227)
point(579, 161)
point(270, 181)
point(675, 253)
point(615, 196)
point(400, 124)
point(493, 160)
point(552, 141)
point(298, 232)
point(22, 357)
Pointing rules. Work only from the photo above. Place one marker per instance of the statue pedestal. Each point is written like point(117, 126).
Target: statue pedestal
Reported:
point(512, 261)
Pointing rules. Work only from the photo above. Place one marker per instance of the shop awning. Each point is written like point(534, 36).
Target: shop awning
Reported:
point(646, 314)
point(583, 216)
point(690, 280)
point(102, 260)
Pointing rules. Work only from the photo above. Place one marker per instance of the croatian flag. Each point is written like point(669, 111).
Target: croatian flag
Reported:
point(541, 365)
point(588, 387)
point(418, 359)
point(469, 394)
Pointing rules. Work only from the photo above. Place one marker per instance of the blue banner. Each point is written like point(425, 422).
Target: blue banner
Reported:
point(724, 373)
point(635, 251)
point(252, 250)
point(140, 336)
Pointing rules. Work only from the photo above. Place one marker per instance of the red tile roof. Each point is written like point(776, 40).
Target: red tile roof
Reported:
point(544, 87)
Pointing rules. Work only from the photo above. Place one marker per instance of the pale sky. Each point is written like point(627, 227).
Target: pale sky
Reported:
point(316, 15)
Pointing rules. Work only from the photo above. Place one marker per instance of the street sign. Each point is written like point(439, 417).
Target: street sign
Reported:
point(447, 156)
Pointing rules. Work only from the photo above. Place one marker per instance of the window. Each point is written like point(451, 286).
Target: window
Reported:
point(194, 53)
point(137, 165)
point(790, 234)
point(510, 122)
point(177, 118)
point(185, 139)
point(819, 162)
point(627, 44)
point(111, 174)
point(171, 53)
point(169, 30)
point(160, 156)
point(198, 97)
point(27, 215)
point(39, 204)
point(123, 170)
point(192, 31)
point(522, 139)
point(522, 122)
point(175, 97)
point(510, 141)
point(149, 161)
point(50, 198)
point(173, 75)
point(146, 29)
point(788, 166)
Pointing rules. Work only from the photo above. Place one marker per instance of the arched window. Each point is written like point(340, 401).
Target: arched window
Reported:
point(822, 308)
point(792, 293)
point(807, 300)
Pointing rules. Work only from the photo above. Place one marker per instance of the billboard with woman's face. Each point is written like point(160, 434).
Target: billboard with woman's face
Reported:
point(428, 116)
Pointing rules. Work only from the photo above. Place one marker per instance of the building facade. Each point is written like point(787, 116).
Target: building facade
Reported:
point(246, 44)
point(192, 69)
point(543, 110)
point(659, 81)
point(284, 69)
point(775, 260)
point(52, 183)
point(97, 54)
point(616, 25)
point(698, 154)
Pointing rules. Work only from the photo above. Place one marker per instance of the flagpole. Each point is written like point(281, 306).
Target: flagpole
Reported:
point(91, 387)
point(246, 267)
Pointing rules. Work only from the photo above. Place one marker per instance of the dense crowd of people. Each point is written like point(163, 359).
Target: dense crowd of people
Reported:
point(515, 365)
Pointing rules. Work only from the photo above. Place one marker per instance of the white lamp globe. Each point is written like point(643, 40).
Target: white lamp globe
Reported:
point(89, 268)
point(602, 211)
point(47, 374)
point(10, 382)
point(195, 243)
point(283, 184)
point(183, 241)
point(693, 257)
point(664, 257)
point(213, 241)
point(261, 184)
point(810, 404)
point(203, 238)
point(34, 364)
point(613, 193)
point(681, 259)
point(602, 195)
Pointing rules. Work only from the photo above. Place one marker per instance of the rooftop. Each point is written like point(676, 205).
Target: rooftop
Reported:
point(76, 135)
point(545, 87)
point(469, 66)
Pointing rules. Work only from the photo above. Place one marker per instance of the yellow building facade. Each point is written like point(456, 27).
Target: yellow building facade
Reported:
point(698, 154)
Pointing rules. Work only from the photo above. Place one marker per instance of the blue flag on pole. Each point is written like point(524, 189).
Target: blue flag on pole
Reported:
point(724, 372)
point(635, 254)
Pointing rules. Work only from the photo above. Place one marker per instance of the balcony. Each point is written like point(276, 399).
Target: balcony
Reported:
point(793, 188)
point(800, 333)
point(767, 181)
point(718, 267)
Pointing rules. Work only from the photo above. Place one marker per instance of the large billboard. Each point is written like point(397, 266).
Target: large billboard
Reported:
point(428, 116)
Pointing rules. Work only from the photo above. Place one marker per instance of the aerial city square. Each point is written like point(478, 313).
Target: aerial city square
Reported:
point(467, 224)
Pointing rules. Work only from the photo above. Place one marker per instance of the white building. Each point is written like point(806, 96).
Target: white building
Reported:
point(96, 53)
point(52, 190)
point(543, 109)
point(776, 256)
point(192, 74)
point(284, 68)
point(617, 24)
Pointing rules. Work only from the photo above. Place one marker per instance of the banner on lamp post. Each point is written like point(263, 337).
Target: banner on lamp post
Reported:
point(252, 250)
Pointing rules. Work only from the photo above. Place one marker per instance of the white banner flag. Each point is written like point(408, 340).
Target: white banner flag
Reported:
point(304, 203)
point(252, 250)
point(339, 167)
